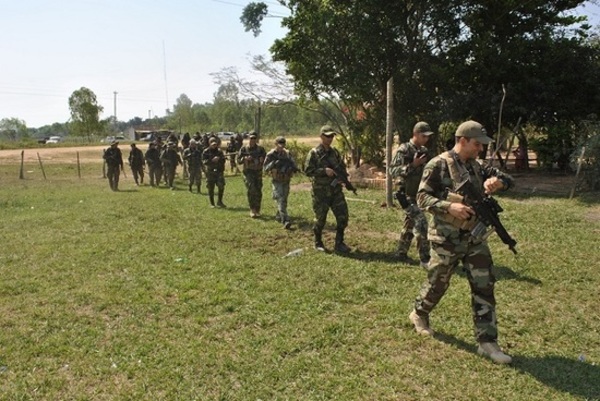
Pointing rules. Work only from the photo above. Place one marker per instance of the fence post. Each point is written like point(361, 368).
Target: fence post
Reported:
point(21, 175)
point(78, 167)
point(41, 166)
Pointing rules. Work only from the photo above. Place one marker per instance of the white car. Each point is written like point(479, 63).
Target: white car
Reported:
point(54, 139)
point(226, 136)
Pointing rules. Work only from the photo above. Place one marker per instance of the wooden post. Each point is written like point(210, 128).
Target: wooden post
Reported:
point(78, 167)
point(21, 175)
point(579, 163)
point(389, 140)
point(41, 166)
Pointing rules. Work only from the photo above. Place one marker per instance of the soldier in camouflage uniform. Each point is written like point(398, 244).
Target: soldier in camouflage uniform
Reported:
point(407, 166)
point(114, 164)
point(193, 157)
point(213, 160)
point(136, 162)
point(326, 190)
point(252, 157)
point(171, 159)
point(154, 164)
point(451, 240)
point(281, 166)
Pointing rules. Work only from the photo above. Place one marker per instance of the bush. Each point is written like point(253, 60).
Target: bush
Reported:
point(555, 147)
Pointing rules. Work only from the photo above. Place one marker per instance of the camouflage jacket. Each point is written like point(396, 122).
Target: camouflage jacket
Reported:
point(113, 157)
point(136, 158)
point(442, 175)
point(317, 160)
point(211, 167)
point(170, 157)
point(280, 165)
point(252, 157)
point(408, 175)
point(193, 157)
point(153, 157)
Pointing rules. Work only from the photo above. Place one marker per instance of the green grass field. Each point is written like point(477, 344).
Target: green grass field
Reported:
point(148, 294)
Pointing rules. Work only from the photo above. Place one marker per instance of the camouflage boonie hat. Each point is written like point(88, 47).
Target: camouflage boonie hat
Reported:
point(280, 139)
point(423, 128)
point(114, 142)
point(328, 130)
point(213, 140)
point(472, 129)
point(252, 134)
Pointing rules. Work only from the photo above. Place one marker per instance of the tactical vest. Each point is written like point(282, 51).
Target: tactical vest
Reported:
point(458, 174)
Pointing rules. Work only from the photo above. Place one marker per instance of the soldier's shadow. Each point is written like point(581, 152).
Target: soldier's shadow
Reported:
point(572, 376)
point(505, 273)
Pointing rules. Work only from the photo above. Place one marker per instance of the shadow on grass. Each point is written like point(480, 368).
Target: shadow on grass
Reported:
point(572, 376)
point(504, 273)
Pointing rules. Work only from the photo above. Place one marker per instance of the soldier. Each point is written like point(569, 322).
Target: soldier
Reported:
point(154, 164)
point(213, 161)
point(451, 240)
point(136, 162)
point(232, 150)
point(171, 159)
point(185, 143)
point(281, 166)
point(193, 157)
point(252, 157)
point(114, 164)
point(327, 193)
point(407, 166)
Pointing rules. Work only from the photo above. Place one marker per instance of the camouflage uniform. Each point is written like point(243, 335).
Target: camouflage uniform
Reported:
point(214, 173)
point(451, 244)
point(171, 159)
point(324, 195)
point(253, 157)
point(136, 162)
point(193, 157)
point(281, 166)
point(154, 164)
point(232, 149)
point(415, 223)
point(114, 164)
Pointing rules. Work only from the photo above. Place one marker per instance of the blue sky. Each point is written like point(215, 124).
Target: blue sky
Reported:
point(51, 48)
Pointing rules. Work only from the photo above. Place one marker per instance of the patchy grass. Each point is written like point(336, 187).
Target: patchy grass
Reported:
point(150, 294)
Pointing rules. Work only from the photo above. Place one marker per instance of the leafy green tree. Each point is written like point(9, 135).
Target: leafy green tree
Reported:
point(13, 129)
point(85, 113)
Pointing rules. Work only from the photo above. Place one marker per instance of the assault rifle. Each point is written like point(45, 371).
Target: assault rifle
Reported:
point(486, 209)
point(341, 176)
point(410, 208)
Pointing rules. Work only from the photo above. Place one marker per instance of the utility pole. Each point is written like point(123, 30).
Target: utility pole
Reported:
point(115, 106)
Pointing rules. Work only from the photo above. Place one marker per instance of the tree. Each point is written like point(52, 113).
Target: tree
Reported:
point(85, 113)
point(13, 129)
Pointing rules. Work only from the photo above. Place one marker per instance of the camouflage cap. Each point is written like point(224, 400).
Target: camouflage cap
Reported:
point(280, 140)
point(472, 129)
point(114, 142)
point(422, 128)
point(213, 140)
point(252, 134)
point(328, 130)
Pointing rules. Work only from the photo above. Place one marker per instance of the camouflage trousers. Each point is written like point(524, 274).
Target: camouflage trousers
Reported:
point(478, 266)
point(215, 178)
point(138, 174)
point(415, 226)
point(113, 173)
point(170, 171)
point(254, 184)
point(155, 174)
point(325, 198)
point(281, 191)
point(195, 175)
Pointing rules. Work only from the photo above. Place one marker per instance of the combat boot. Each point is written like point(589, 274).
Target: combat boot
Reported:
point(190, 187)
point(492, 350)
point(319, 240)
point(421, 323)
point(340, 246)
point(220, 201)
point(198, 187)
point(211, 197)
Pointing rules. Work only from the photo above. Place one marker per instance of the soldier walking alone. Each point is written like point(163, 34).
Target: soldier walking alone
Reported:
point(114, 164)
